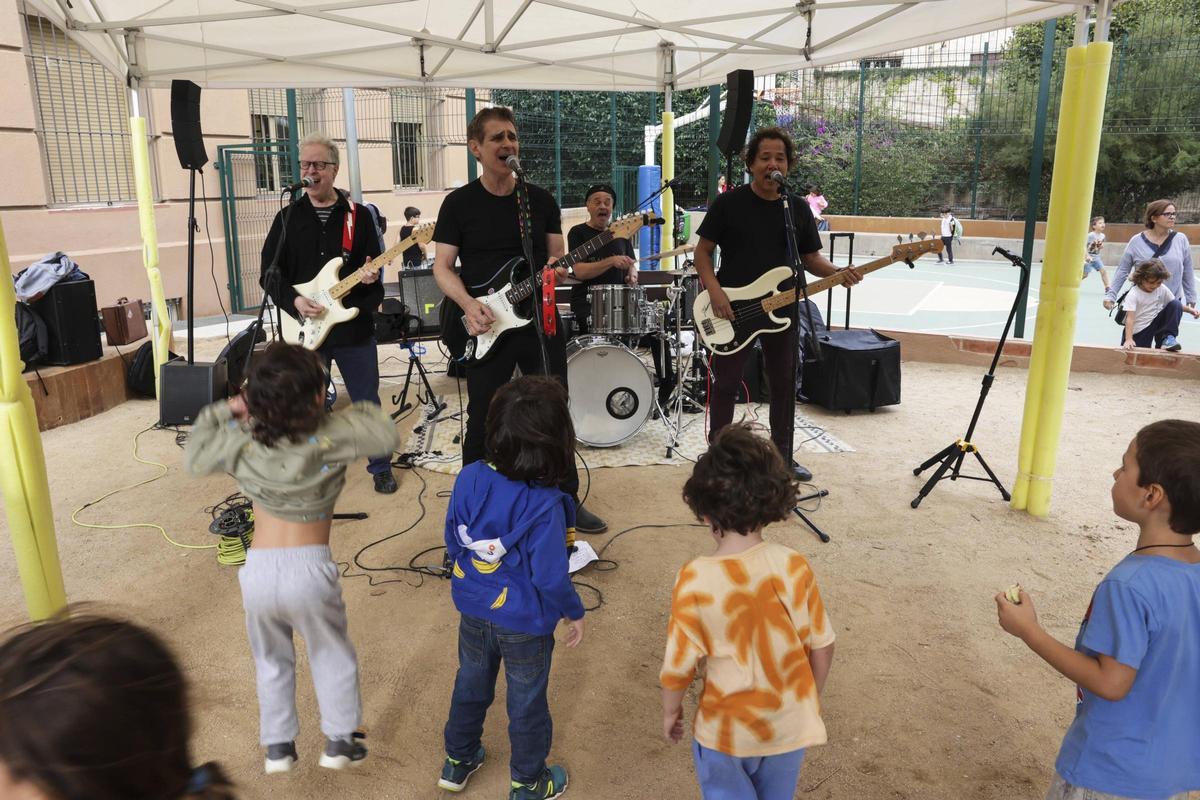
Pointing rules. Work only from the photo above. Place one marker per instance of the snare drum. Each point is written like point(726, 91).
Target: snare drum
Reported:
point(618, 309)
point(612, 393)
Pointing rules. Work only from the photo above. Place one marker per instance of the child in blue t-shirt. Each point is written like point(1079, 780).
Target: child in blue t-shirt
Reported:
point(506, 535)
point(1136, 732)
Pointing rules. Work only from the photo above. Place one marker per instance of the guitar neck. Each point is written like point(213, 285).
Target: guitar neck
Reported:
point(788, 298)
point(343, 286)
point(526, 287)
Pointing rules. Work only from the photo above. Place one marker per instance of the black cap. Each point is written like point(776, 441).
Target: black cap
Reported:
point(600, 187)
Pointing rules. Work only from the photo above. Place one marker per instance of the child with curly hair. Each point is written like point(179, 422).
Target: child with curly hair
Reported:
point(1152, 312)
point(290, 457)
point(96, 707)
point(753, 613)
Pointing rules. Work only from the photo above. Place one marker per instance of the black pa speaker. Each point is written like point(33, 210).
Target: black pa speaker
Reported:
point(739, 106)
point(72, 322)
point(858, 369)
point(186, 388)
point(185, 125)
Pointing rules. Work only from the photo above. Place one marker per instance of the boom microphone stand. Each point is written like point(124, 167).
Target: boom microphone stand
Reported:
point(525, 221)
point(952, 455)
point(814, 347)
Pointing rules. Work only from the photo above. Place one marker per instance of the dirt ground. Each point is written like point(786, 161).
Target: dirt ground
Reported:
point(927, 698)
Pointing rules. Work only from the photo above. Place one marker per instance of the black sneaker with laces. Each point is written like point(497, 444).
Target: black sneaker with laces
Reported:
point(280, 758)
point(455, 773)
point(385, 482)
point(587, 522)
point(340, 754)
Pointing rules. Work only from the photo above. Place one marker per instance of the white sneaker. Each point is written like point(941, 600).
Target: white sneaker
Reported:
point(280, 758)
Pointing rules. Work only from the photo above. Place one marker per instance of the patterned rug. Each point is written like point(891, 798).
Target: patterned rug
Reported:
point(435, 439)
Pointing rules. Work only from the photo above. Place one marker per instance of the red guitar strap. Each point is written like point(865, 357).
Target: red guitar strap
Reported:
point(549, 304)
point(348, 231)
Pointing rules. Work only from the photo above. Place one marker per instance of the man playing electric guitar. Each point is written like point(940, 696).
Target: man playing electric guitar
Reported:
point(479, 225)
point(747, 222)
point(320, 228)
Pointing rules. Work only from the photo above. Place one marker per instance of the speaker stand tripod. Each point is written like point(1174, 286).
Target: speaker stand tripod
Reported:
point(952, 455)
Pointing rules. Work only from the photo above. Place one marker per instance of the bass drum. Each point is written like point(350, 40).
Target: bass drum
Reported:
point(612, 393)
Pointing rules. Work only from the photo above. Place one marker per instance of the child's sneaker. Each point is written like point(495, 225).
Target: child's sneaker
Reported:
point(280, 757)
point(455, 774)
point(552, 784)
point(340, 754)
point(1170, 343)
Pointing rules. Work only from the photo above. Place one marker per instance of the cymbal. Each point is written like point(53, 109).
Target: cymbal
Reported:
point(678, 251)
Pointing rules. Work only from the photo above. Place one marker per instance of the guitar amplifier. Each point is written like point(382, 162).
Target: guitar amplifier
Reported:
point(72, 322)
point(419, 291)
point(858, 369)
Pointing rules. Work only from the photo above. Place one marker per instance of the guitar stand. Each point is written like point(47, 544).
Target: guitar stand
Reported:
point(414, 362)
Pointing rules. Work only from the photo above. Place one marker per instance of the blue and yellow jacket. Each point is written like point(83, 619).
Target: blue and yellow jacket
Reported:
point(507, 540)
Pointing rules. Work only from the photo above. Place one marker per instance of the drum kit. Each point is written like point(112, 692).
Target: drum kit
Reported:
point(612, 389)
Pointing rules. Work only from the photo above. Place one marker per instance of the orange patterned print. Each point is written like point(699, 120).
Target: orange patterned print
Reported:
point(738, 708)
point(752, 615)
point(685, 614)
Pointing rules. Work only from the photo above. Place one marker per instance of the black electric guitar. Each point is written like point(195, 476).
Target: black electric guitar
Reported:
point(507, 296)
point(754, 303)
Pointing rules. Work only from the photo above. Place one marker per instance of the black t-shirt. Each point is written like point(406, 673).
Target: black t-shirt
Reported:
point(486, 231)
point(580, 235)
point(751, 234)
point(412, 256)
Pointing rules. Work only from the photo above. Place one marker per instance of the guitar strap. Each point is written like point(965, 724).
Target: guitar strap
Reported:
point(348, 231)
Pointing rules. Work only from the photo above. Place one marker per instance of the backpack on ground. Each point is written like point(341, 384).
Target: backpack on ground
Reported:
point(141, 370)
point(32, 336)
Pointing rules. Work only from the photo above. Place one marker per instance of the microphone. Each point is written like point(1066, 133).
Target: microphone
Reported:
point(778, 177)
point(671, 184)
point(514, 163)
point(300, 184)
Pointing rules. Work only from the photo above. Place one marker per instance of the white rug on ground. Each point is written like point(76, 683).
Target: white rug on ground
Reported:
point(433, 440)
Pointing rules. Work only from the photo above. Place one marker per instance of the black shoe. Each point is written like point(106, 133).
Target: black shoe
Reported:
point(587, 522)
point(340, 754)
point(385, 482)
point(802, 474)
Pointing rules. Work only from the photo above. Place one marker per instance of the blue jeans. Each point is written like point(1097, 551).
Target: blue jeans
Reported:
point(726, 777)
point(482, 645)
point(359, 365)
point(1164, 325)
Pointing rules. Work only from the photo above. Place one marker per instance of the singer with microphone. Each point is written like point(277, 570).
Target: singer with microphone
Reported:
point(479, 226)
point(322, 225)
point(747, 223)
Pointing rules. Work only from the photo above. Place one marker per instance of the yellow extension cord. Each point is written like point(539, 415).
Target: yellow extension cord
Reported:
point(159, 528)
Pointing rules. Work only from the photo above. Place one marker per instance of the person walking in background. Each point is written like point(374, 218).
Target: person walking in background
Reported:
point(752, 613)
point(1095, 241)
point(949, 224)
point(817, 204)
point(1159, 240)
point(1136, 733)
point(413, 256)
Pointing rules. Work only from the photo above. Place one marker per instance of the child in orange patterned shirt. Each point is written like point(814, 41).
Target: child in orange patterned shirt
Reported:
point(752, 612)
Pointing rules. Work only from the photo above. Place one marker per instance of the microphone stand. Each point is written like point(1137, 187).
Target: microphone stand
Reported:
point(525, 222)
point(953, 454)
point(801, 284)
point(271, 284)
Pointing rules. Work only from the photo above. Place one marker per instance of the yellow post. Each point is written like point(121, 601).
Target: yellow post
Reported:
point(161, 335)
point(1060, 187)
point(1069, 229)
point(23, 469)
point(668, 172)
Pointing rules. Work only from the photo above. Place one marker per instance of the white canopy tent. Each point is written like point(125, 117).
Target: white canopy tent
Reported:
point(520, 44)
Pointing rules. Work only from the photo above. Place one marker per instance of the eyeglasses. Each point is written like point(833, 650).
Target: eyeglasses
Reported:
point(317, 165)
point(1170, 214)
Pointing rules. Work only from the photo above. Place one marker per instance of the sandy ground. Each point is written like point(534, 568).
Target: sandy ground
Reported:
point(927, 697)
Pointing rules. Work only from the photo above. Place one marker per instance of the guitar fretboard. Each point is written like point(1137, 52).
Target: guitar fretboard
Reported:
point(525, 288)
point(343, 286)
point(784, 299)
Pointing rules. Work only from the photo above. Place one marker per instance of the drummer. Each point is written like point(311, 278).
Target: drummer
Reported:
point(613, 264)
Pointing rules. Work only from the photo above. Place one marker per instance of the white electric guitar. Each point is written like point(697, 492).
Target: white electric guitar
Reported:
point(754, 303)
point(328, 290)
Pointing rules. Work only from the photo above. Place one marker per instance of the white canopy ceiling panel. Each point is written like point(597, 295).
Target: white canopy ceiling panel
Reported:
point(532, 44)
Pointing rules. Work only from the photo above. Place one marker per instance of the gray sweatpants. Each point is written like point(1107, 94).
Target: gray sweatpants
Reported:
point(296, 589)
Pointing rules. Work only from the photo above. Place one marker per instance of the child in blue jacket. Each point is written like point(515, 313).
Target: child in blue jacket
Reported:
point(506, 535)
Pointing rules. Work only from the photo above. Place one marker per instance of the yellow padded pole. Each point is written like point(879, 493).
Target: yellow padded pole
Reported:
point(1070, 246)
point(23, 469)
point(668, 172)
point(161, 335)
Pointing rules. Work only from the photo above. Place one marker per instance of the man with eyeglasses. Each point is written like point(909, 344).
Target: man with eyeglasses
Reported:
point(318, 231)
point(1159, 240)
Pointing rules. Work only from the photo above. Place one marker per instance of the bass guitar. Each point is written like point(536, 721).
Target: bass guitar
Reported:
point(506, 296)
point(328, 290)
point(754, 304)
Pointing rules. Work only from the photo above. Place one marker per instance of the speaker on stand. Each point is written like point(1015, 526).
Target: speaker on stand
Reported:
point(739, 108)
point(188, 386)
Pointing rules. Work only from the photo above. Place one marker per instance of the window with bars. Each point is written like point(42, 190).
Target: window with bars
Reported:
point(406, 154)
point(83, 119)
point(269, 130)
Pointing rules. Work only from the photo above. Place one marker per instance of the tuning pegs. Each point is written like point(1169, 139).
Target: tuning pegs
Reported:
point(900, 238)
point(921, 235)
